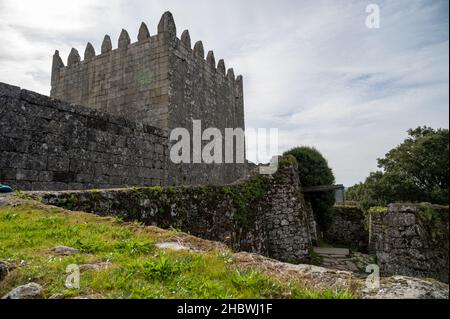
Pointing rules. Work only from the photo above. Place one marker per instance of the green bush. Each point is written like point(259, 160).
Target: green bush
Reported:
point(313, 170)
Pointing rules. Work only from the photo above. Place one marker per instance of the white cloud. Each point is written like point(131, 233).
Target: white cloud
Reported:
point(311, 68)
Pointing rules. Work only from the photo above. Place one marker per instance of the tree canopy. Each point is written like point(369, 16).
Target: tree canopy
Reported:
point(417, 170)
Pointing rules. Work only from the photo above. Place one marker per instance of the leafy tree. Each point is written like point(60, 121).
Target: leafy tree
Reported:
point(417, 170)
point(313, 170)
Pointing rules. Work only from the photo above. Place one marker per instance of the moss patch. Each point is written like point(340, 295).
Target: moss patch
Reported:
point(245, 195)
point(377, 210)
point(433, 218)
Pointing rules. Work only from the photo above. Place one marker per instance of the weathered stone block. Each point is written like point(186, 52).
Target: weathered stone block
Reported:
point(55, 149)
point(412, 239)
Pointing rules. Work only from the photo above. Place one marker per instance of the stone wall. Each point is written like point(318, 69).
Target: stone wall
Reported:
point(411, 239)
point(348, 227)
point(162, 81)
point(200, 90)
point(311, 222)
point(264, 214)
point(46, 144)
point(130, 81)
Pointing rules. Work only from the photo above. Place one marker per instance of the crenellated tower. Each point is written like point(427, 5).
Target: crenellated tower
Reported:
point(159, 80)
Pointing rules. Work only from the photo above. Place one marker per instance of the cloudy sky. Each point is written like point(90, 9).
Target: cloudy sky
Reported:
point(312, 69)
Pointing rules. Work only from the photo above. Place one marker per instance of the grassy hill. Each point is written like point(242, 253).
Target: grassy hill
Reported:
point(121, 260)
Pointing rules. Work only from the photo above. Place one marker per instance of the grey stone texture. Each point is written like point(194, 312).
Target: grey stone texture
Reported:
point(29, 291)
point(89, 52)
point(143, 32)
point(159, 80)
point(344, 259)
point(312, 222)
point(348, 226)
point(46, 144)
point(130, 81)
point(411, 240)
point(74, 57)
point(396, 287)
point(106, 47)
point(273, 223)
point(286, 218)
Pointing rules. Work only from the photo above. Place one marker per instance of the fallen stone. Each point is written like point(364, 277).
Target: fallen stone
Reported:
point(336, 252)
point(66, 251)
point(172, 246)
point(99, 266)
point(28, 291)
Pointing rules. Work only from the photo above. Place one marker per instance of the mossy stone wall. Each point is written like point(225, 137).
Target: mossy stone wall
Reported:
point(411, 240)
point(264, 214)
point(347, 227)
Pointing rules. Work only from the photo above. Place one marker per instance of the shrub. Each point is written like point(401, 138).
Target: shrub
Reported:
point(313, 170)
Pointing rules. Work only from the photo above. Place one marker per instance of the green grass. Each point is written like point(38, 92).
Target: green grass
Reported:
point(138, 269)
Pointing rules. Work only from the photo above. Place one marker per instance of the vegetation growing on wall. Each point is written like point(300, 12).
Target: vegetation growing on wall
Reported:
point(377, 210)
point(245, 195)
point(432, 217)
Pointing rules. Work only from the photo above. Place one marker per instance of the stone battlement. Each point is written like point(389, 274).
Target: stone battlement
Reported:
point(135, 79)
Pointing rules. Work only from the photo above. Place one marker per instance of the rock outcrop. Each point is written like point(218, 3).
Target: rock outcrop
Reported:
point(28, 291)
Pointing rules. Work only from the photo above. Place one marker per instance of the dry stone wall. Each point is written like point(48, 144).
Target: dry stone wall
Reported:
point(412, 240)
point(312, 222)
point(348, 227)
point(47, 144)
point(264, 214)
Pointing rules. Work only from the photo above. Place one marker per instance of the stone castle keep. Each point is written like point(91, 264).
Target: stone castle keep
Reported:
point(160, 81)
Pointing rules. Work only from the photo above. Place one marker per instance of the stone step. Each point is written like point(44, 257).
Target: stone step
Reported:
point(331, 251)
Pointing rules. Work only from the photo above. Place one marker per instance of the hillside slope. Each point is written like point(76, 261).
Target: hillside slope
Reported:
point(130, 260)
